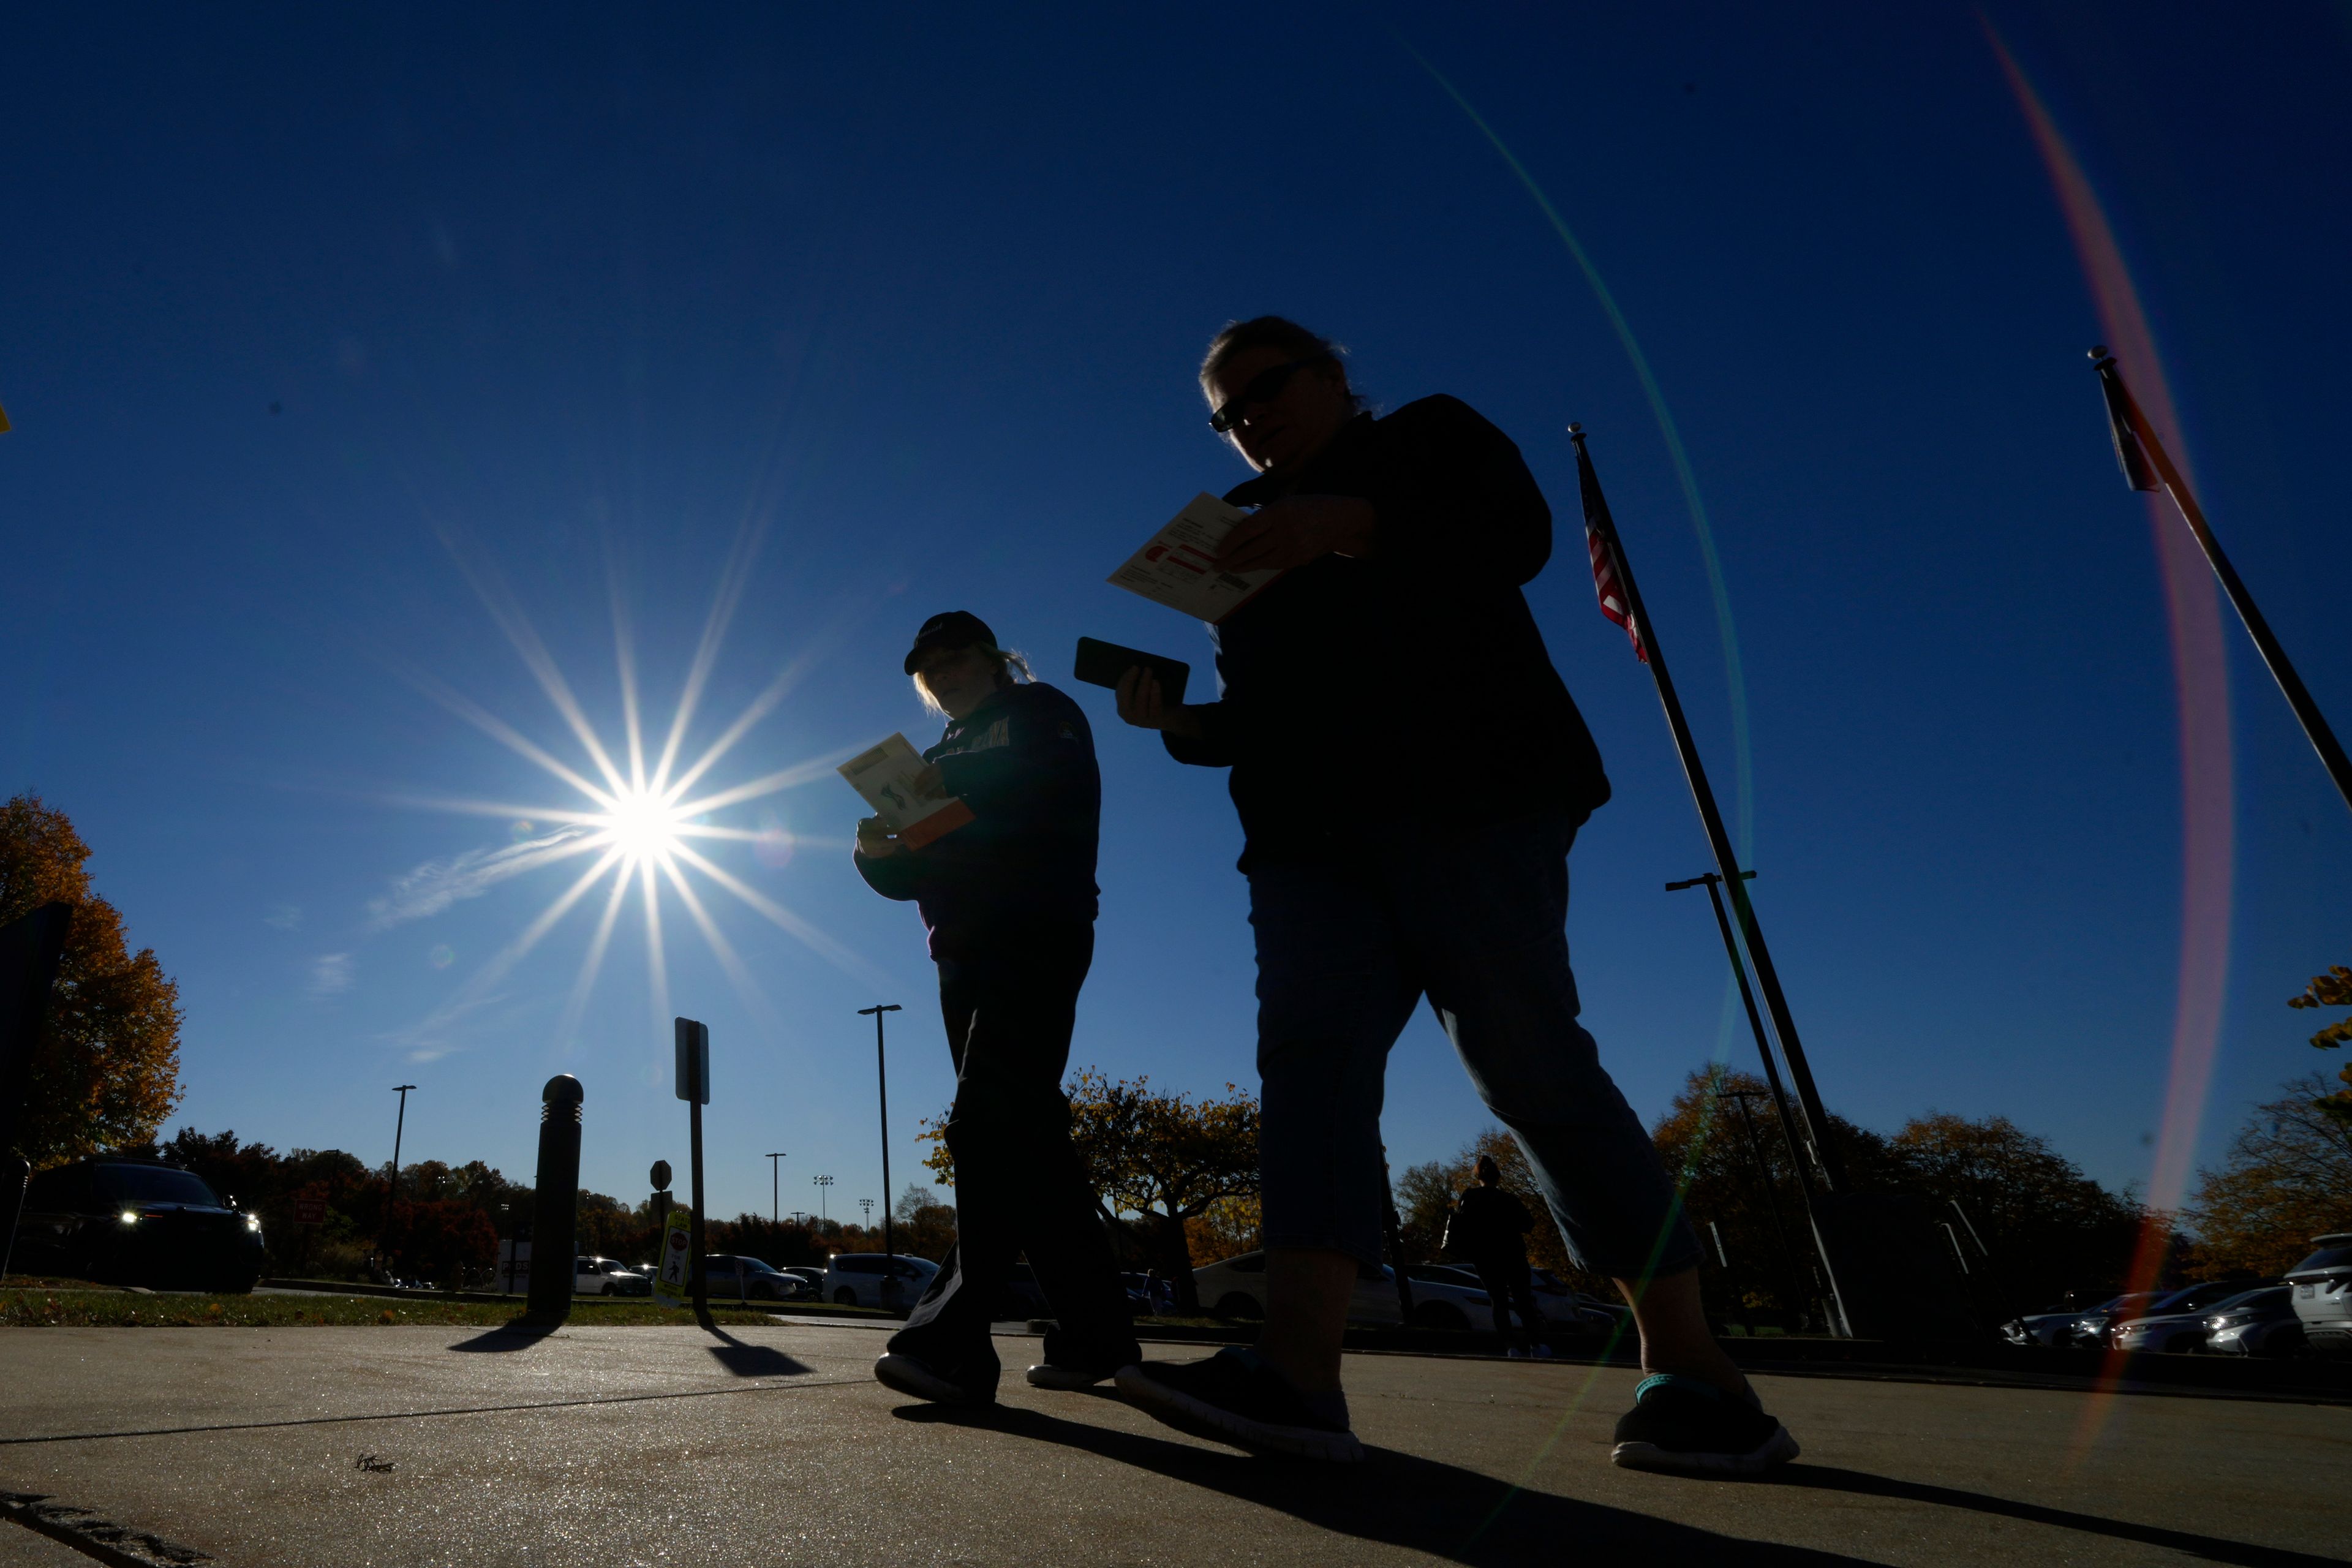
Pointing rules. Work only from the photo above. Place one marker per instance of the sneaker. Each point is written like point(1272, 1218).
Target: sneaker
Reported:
point(1515, 1352)
point(1235, 1396)
point(1691, 1427)
point(1048, 1374)
point(1541, 1352)
point(911, 1375)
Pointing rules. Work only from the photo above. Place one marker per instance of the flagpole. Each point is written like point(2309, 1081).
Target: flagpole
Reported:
point(1768, 979)
point(2136, 447)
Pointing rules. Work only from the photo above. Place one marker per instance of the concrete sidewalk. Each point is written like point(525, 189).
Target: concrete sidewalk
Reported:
point(320, 1447)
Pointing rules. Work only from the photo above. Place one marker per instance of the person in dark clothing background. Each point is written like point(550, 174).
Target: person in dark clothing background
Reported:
point(1489, 1230)
point(1411, 772)
point(1009, 899)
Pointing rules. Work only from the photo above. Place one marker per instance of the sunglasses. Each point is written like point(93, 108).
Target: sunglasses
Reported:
point(1264, 387)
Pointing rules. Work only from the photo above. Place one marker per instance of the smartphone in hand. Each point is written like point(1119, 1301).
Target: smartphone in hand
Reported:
point(1103, 663)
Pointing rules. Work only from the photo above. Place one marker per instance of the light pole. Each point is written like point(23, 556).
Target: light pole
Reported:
point(882, 1078)
point(776, 1190)
point(392, 1187)
point(399, 1125)
point(867, 1204)
point(822, 1183)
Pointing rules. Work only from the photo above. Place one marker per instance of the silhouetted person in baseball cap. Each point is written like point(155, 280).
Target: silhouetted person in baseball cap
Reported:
point(1009, 899)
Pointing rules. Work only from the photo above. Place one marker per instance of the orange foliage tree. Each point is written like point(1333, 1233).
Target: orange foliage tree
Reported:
point(106, 1072)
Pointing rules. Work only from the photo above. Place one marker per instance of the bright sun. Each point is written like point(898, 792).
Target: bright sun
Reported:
point(641, 827)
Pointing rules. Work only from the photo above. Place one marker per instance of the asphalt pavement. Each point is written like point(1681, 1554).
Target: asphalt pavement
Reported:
point(318, 1447)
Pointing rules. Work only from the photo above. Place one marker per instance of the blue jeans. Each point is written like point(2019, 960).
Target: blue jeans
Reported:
point(1472, 918)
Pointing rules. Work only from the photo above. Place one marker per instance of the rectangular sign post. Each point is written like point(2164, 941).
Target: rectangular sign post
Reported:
point(694, 1088)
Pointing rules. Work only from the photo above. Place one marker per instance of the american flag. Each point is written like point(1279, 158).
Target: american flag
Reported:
point(1599, 529)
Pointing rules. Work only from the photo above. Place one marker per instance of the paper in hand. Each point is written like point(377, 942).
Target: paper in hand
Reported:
point(1178, 566)
point(886, 777)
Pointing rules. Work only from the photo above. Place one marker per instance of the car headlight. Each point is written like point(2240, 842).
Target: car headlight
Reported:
point(253, 1223)
point(128, 1217)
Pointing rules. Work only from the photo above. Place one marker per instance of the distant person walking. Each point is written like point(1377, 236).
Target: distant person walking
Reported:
point(1489, 1230)
point(1410, 772)
point(1009, 899)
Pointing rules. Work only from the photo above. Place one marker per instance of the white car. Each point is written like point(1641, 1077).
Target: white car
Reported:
point(1558, 1303)
point(2323, 1293)
point(1236, 1288)
point(607, 1276)
point(857, 1279)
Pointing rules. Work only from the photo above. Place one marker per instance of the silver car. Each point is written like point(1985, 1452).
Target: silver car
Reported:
point(2179, 1314)
point(868, 1279)
point(2178, 1324)
point(1236, 1288)
point(2260, 1323)
point(2323, 1293)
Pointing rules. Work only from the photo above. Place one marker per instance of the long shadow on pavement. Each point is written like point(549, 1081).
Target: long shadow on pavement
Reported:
point(1458, 1515)
point(515, 1336)
point(746, 1360)
point(1828, 1477)
point(738, 1356)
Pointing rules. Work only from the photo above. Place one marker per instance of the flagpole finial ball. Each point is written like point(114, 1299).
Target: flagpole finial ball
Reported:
point(1574, 429)
point(2098, 351)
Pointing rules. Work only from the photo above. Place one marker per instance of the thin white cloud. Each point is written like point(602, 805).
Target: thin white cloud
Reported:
point(283, 917)
point(435, 885)
point(330, 973)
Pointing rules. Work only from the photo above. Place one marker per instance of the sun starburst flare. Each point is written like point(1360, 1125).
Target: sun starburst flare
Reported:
point(635, 820)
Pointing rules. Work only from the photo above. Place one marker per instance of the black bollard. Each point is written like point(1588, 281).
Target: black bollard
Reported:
point(555, 1209)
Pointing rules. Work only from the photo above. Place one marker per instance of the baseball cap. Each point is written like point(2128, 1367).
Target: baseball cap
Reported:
point(953, 628)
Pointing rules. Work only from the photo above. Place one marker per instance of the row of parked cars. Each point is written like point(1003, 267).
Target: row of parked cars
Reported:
point(2309, 1307)
point(848, 1279)
point(1443, 1297)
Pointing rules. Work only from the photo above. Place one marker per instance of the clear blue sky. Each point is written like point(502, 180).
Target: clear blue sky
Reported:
point(288, 301)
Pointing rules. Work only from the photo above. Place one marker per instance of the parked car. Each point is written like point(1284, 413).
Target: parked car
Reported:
point(1149, 1295)
point(2260, 1323)
point(1557, 1302)
point(2050, 1326)
point(856, 1280)
point(2323, 1293)
point(734, 1278)
point(608, 1276)
point(133, 1222)
point(811, 1277)
point(1236, 1288)
point(2174, 1325)
point(1589, 1310)
point(2090, 1327)
point(2191, 1302)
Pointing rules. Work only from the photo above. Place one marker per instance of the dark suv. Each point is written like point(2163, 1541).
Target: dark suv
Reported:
point(132, 1221)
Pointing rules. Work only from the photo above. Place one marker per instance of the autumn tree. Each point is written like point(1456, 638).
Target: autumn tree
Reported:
point(2333, 989)
point(2287, 1178)
point(1164, 1158)
point(105, 1073)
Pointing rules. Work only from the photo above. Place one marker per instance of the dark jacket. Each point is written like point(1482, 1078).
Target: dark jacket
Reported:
point(1487, 1223)
point(1409, 684)
point(1024, 761)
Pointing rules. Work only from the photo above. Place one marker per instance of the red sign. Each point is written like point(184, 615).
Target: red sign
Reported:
point(310, 1211)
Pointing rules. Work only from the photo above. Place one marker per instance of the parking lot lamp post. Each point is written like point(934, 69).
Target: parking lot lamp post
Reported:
point(882, 1076)
point(821, 1183)
point(392, 1187)
point(775, 1191)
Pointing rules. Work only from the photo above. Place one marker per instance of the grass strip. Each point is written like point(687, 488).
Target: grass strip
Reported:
point(41, 1309)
